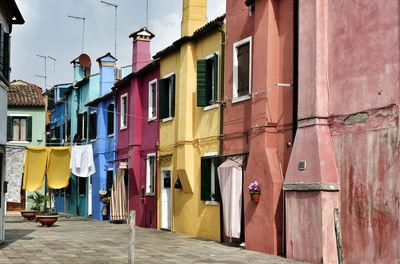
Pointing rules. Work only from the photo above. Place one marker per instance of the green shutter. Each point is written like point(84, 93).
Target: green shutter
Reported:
point(9, 128)
point(215, 73)
point(205, 179)
point(217, 188)
point(6, 67)
point(163, 98)
point(29, 129)
point(172, 80)
point(201, 83)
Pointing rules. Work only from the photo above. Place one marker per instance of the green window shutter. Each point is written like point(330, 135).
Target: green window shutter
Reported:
point(29, 129)
point(1, 49)
point(6, 58)
point(202, 83)
point(215, 73)
point(217, 189)
point(205, 184)
point(163, 98)
point(172, 80)
point(9, 128)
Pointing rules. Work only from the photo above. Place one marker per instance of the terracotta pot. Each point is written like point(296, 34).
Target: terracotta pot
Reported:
point(255, 197)
point(29, 214)
point(47, 220)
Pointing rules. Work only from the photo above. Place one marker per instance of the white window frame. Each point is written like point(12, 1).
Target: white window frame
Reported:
point(150, 101)
point(122, 112)
point(235, 97)
point(169, 118)
point(148, 176)
point(212, 155)
point(20, 116)
point(213, 105)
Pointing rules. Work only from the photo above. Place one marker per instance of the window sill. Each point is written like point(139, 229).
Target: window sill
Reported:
point(19, 142)
point(167, 119)
point(123, 128)
point(241, 98)
point(210, 107)
point(150, 194)
point(92, 140)
point(110, 135)
point(152, 119)
point(212, 203)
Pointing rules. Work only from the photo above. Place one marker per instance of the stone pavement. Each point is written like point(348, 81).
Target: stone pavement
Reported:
point(80, 240)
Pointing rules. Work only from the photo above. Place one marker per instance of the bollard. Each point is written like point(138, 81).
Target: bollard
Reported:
point(132, 234)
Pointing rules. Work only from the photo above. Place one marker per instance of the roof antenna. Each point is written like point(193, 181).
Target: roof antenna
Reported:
point(83, 29)
point(115, 24)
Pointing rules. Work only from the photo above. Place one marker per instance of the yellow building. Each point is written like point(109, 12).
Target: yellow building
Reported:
point(190, 87)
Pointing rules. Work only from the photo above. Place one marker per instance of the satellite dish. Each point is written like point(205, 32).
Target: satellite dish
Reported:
point(84, 60)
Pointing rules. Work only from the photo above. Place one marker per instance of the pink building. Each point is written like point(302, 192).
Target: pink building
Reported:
point(258, 114)
point(345, 159)
point(138, 129)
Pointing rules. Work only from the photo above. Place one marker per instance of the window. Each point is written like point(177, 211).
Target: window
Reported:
point(4, 53)
point(19, 128)
point(82, 125)
point(109, 181)
point(110, 119)
point(207, 81)
point(68, 131)
point(242, 69)
point(124, 111)
point(152, 113)
point(93, 126)
point(167, 97)
point(209, 181)
point(150, 173)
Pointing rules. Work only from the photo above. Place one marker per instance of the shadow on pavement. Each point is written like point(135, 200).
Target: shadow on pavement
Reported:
point(13, 235)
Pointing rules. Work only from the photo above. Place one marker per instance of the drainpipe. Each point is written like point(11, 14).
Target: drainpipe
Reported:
point(221, 118)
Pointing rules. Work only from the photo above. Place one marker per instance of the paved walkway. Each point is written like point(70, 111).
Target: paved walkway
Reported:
point(79, 240)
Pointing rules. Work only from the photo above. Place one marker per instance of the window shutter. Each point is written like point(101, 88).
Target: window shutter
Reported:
point(172, 79)
point(201, 83)
point(6, 57)
point(163, 98)
point(215, 73)
point(79, 129)
point(205, 179)
point(29, 129)
point(217, 189)
point(9, 128)
point(1, 49)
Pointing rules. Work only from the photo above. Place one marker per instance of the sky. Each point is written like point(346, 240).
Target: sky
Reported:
point(49, 32)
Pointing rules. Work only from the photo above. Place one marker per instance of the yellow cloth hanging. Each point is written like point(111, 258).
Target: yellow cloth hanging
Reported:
point(35, 167)
point(58, 167)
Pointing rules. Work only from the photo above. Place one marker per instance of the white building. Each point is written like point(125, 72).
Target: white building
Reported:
point(9, 16)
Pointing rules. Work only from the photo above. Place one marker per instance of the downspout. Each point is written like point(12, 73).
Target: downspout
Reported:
point(295, 66)
point(77, 114)
point(221, 115)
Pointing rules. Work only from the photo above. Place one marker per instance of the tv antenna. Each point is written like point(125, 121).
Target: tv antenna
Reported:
point(45, 71)
point(83, 27)
point(115, 23)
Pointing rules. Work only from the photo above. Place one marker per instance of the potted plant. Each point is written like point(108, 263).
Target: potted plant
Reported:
point(105, 199)
point(47, 219)
point(38, 202)
point(255, 191)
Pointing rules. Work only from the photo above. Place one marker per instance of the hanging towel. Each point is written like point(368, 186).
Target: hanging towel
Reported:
point(118, 205)
point(82, 163)
point(14, 168)
point(230, 182)
point(35, 167)
point(58, 167)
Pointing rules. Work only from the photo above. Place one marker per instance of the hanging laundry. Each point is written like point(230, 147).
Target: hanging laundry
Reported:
point(35, 168)
point(82, 163)
point(230, 182)
point(58, 167)
point(15, 157)
point(118, 205)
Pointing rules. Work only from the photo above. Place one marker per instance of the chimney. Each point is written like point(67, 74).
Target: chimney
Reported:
point(81, 66)
point(107, 73)
point(141, 48)
point(194, 16)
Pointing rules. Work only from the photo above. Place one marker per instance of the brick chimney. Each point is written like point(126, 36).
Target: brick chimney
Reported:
point(141, 48)
point(194, 16)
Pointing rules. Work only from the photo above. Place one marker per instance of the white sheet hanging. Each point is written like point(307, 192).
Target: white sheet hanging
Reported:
point(82, 162)
point(230, 182)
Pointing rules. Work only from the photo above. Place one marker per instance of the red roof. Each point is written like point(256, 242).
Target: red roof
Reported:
point(23, 94)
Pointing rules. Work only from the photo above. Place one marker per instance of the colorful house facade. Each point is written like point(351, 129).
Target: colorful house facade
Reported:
point(25, 124)
point(258, 112)
point(342, 203)
point(137, 98)
point(190, 70)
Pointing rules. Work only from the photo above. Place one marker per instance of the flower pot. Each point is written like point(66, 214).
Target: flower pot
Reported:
point(255, 197)
point(47, 220)
point(29, 214)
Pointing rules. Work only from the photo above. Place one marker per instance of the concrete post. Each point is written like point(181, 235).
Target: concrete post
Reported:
point(132, 234)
